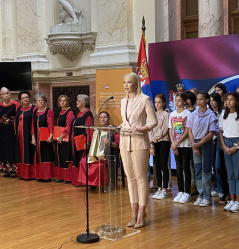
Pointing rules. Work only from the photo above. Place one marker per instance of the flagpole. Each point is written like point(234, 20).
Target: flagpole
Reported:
point(142, 68)
point(143, 25)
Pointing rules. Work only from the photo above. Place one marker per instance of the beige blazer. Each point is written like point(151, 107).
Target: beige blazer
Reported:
point(141, 111)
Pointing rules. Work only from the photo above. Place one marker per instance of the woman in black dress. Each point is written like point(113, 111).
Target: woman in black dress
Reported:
point(43, 119)
point(26, 150)
point(84, 118)
point(8, 110)
point(63, 123)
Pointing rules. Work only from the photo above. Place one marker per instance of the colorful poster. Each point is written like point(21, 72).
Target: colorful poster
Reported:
point(177, 66)
point(110, 83)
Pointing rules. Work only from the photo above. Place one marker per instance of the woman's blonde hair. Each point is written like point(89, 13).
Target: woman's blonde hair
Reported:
point(67, 100)
point(4, 89)
point(134, 78)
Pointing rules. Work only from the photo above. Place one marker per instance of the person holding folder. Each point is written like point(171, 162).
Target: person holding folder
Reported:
point(43, 119)
point(61, 139)
point(76, 146)
point(24, 128)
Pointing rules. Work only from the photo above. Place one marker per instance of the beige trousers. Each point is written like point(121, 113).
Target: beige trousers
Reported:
point(135, 166)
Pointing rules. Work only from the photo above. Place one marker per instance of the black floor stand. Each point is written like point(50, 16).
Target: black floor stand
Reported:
point(87, 238)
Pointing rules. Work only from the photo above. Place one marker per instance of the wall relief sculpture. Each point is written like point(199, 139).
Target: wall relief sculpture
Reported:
point(68, 14)
point(70, 37)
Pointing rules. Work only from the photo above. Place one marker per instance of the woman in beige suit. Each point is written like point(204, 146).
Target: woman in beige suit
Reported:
point(134, 145)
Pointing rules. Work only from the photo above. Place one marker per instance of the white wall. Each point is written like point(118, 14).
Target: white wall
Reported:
point(147, 9)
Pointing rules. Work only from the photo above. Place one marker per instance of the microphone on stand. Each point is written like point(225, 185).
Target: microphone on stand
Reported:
point(87, 238)
point(102, 107)
point(99, 112)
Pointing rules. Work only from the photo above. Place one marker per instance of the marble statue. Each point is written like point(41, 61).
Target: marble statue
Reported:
point(68, 14)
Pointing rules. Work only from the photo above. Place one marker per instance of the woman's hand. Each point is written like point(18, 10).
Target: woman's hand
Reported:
point(195, 145)
point(134, 128)
point(152, 151)
point(226, 149)
point(105, 140)
point(174, 146)
point(175, 152)
point(60, 139)
point(50, 139)
point(33, 141)
point(197, 152)
point(232, 150)
point(229, 151)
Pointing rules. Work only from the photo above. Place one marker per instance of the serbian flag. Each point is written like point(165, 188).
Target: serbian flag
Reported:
point(143, 69)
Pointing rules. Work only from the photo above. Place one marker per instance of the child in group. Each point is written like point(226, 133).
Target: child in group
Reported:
point(160, 147)
point(229, 137)
point(194, 90)
point(201, 124)
point(181, 146)
point(191, 100)
point(221, 89)
point(190, 105)
point(218, 161)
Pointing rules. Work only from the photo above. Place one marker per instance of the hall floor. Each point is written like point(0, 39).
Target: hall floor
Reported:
point(36, 215)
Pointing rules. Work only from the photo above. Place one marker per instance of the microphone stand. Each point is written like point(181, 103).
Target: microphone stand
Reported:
point(88, 238)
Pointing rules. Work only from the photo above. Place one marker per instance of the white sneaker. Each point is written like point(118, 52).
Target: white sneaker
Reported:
point(235, 207)
point(162, 195)
point(185, 198)
point(197, 202)
point(156, 194)
point(205, 203)
point(214, 193)
point(229, 205)
point(178, 197)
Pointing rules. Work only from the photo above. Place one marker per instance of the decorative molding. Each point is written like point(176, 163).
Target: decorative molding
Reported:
point(6, 58)
point(71, 44)
point(114, 54)
point(38, 60)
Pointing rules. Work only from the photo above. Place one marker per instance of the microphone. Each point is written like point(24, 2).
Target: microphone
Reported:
point(101, 108)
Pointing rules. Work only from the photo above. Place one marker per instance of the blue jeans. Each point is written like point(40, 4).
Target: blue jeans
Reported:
point(214, 167)
point(203, 170)
point(222, 184)
point(232, 165)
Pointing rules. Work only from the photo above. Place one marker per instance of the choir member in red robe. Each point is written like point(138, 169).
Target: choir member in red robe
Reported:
point(43, 119)
point(63, 121)
point(84, 118)
point(98, 170)
point(24, 127)
point(8, 110)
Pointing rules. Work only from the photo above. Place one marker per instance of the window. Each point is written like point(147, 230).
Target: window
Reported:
point(189, 19)
point(233, 16)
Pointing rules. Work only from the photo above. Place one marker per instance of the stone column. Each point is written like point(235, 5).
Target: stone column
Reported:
point(94, 15)
point(8, 30)
point(168, 19)
point(210, 18)
point(30, 32)
point(115, 39)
